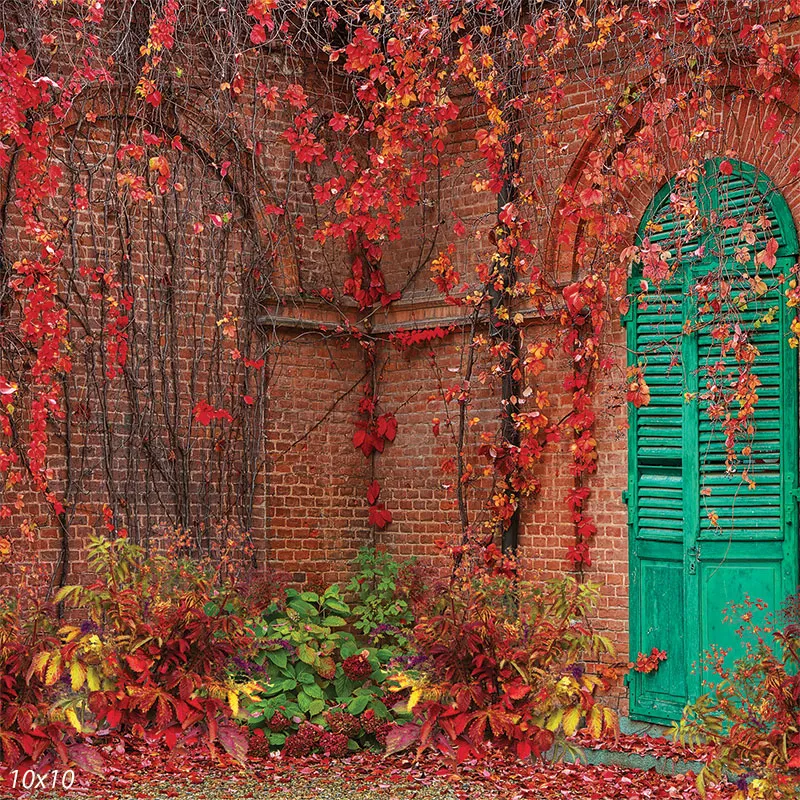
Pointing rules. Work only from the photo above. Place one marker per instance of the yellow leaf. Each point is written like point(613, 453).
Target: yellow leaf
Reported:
point(69, 632)
point(77, 673)
point(566, 685)
point(38, 663)
point(92, 681)
point(73, 719)
point(65, 591)
point(251, 690)
point(554, 720)
point(233, 702)
point(700, 782)
point(399, 682)
point(53, 669)
point(572, 716)
point(413, 699)
point(611, 721)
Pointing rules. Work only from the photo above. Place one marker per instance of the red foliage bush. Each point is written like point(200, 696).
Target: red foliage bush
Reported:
point(500, 662)
point(29, 725)
point(752, 712)
point(334, 744)
point(304, 742)
point(357, 668)
point(345, 723)
point(150, 659)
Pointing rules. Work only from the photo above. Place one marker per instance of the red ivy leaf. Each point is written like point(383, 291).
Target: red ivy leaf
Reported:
point(258, 35)
point(767, 257)
point(205, 413)
point(379, 516)
point(387, 426)
point(136, 662)
point(542, 741)
point(359, 439)
point(373, 491)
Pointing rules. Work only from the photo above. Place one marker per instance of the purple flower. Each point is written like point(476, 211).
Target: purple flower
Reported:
point(576, 670)
point(286, 645)
point(250, 668)
point(87, 626)
point(408, 662)
point(384, 627)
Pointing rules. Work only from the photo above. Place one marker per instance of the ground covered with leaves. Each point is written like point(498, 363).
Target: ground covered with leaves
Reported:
point(158, 776)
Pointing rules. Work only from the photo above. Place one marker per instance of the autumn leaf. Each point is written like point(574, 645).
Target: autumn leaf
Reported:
point(77, 675)
point(73, 720)
point(87, 758)
point(401, 737)
point(53, 669)
point(379, 516)
point(768, 257)
point(234, 741)
point(373, 491)
point(205, 413)
point(258, 34)
point(572, 717)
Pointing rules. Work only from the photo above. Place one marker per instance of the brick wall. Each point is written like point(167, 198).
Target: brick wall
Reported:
point(309, 512)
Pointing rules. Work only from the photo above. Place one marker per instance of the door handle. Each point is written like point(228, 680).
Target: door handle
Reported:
point(694, 556)
point(794, 499)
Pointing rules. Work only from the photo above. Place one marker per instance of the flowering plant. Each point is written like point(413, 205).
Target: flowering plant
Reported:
point(315, 676)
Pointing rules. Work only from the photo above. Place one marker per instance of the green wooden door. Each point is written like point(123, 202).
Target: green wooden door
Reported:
point(712, 519)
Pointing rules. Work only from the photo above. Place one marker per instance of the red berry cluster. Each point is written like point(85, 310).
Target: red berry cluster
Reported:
point(334, 744)
point(259, 745)
point(301, 744)
point(357, 667)
point(278, 723)
point(344, 723)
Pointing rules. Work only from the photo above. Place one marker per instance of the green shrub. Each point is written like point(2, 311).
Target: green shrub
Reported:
point(314, 672)
point(382, 608)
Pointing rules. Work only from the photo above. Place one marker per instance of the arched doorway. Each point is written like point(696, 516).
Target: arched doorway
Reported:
point(711, 486)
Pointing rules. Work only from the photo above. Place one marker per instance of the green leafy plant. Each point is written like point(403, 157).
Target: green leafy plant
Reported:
point(383, 597)
point(502, 661)
point(752, 711)
point(314, 673)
